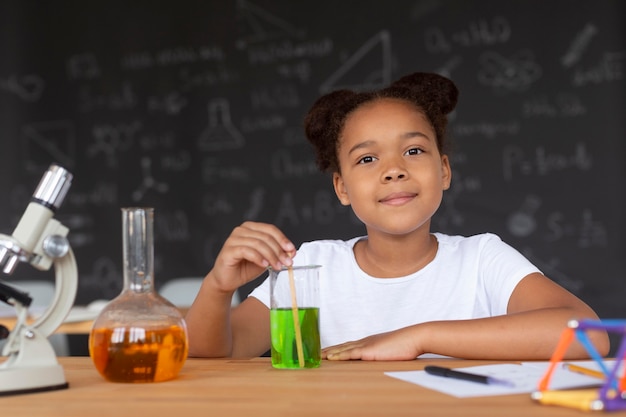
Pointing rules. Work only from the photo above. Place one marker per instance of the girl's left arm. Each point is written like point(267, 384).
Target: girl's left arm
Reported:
point(537, 313)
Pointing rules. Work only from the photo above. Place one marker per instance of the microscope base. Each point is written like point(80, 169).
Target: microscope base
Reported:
point(27, 380)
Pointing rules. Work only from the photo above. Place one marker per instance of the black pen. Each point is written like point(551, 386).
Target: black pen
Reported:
point(466, 376)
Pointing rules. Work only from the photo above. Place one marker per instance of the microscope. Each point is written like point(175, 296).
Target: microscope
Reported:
point(40, 240)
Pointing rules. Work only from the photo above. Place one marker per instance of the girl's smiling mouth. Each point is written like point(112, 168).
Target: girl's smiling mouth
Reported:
point(398, 199)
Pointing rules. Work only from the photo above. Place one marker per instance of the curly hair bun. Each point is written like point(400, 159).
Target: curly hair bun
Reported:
point(431, 88)
point(433, 95)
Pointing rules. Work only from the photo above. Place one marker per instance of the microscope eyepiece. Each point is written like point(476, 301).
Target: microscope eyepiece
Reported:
point(24, 245)
point(53, 187)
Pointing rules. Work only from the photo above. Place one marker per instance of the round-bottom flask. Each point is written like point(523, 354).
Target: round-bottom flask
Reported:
point(139, 336)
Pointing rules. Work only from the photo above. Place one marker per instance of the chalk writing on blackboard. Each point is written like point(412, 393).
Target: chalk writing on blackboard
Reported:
point(213, 171)
point(609, 69)
point(482, 32)
point(516, 162)
point(562, 105)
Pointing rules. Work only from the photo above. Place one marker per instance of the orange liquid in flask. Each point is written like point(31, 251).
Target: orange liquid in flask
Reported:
point(136, 354)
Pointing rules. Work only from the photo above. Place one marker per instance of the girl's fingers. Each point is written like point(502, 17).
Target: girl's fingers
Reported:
point(266, 240)
point(273, 233)
point(258, 243)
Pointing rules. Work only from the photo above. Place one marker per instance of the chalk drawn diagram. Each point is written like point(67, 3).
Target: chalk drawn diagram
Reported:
point(221, 134)
point(378, 50)
point(49, 142)
point(27, 87)
point(109, 140)
point(263, 25)
point(522, 223)
point(148, 183)
point(579, 45)
point(516, 73)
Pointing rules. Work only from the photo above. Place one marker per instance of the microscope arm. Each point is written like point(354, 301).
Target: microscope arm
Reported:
point(65, 292)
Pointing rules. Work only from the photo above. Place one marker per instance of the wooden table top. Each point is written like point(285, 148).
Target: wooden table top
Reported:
point(251, 387)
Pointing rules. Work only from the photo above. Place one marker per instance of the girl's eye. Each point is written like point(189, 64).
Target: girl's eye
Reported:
point(414, 151)
point(366, 160)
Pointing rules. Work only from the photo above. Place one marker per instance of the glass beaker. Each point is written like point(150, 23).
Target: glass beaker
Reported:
point(139, 336)
point(294, 317)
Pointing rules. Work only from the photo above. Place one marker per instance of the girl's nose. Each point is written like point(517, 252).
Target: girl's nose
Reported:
point(394, 173)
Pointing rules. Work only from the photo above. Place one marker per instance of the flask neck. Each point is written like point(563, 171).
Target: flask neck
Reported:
point(138, 249)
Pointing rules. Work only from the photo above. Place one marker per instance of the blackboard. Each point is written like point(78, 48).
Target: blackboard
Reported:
point(196, 107)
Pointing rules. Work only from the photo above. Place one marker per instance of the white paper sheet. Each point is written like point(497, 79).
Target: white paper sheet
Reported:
point(525, 376)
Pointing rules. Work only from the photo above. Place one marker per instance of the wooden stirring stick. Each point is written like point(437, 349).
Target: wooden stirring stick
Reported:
point(296, 318)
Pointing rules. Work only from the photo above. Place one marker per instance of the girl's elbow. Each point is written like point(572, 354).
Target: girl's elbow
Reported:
point(601, 342)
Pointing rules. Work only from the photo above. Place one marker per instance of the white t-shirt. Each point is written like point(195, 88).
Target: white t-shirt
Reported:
point(470, 277)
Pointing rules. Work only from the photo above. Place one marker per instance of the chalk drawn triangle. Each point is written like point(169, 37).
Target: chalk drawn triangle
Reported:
point(220, 134)
point(262, 25)
point(375, 54)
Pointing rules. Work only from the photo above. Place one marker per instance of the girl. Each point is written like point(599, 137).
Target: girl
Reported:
point(401, 291)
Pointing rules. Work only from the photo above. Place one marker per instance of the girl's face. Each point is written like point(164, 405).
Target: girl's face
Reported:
point(392, 173)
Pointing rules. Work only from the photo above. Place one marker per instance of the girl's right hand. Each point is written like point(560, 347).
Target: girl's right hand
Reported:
point(248, 251)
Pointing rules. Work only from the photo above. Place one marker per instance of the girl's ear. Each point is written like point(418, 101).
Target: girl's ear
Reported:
point(446, 172)
point(340, 189)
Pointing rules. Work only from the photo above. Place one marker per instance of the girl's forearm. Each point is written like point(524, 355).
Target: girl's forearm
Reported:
point(531, 335)
point(208, 323)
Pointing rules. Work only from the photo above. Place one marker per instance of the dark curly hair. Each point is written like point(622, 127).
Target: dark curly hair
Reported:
point(432, 94)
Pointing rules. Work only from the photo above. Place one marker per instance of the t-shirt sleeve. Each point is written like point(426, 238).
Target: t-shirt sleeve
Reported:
point(502, 268)
point(262, 292)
